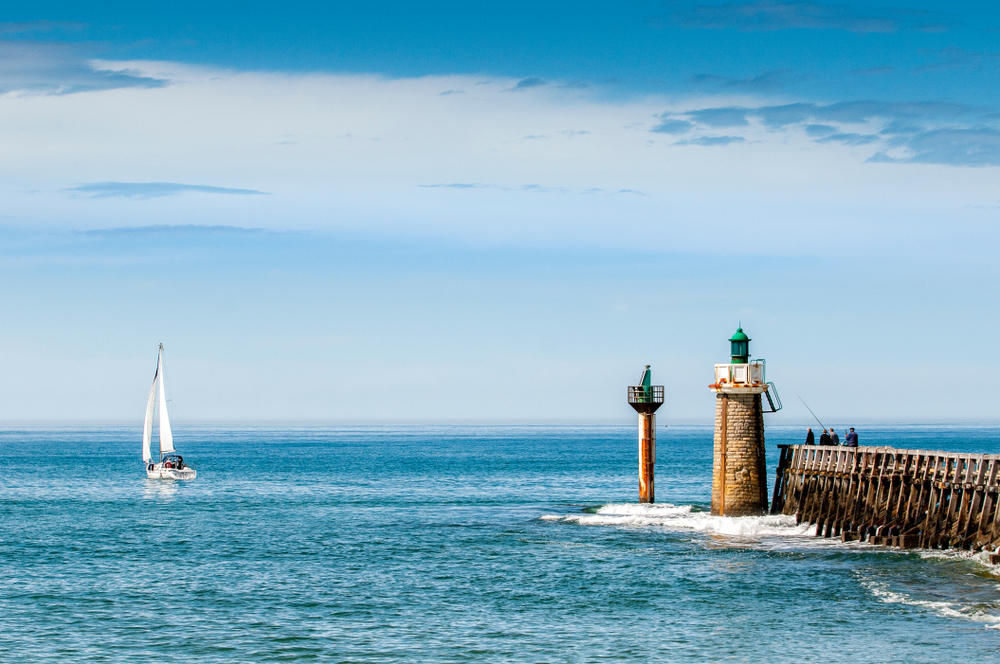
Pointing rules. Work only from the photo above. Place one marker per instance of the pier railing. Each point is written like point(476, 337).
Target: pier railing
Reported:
point(905, 498)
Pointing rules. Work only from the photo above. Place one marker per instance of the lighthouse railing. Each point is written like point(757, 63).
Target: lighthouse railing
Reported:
point(751, 373)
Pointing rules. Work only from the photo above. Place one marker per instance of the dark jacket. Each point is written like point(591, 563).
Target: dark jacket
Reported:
point(824, 438)
point(810, 438)
point(851, 440)
point(835, 439)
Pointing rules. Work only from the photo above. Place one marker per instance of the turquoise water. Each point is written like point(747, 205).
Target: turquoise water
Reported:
point(449, 544)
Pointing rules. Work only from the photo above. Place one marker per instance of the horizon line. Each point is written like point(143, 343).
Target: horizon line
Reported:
point(527, 422)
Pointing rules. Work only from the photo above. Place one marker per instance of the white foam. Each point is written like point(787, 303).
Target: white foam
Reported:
point(685, 518)
point(973, 612)
point(981, 558)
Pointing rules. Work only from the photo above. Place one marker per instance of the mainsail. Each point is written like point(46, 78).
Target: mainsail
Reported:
point(166, 436)
point(147, 424)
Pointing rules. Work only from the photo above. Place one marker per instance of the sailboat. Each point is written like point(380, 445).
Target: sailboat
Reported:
point(171, 465)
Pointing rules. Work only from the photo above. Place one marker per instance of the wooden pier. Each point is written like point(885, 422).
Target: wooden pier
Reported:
point(893, 497)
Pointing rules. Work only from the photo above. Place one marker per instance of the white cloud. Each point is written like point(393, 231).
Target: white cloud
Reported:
point(352, 151)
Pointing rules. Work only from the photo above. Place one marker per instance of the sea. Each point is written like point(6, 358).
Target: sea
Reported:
point(452, 544)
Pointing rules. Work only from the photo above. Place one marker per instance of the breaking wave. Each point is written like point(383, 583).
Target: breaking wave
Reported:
point(685, 518)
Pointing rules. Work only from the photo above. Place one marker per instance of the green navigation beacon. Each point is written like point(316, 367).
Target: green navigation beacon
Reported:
point(642, 395)
point(739, 347)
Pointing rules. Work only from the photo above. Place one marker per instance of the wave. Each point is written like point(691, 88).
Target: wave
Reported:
point(986, 614)
point(685, 518)
point(960, 595)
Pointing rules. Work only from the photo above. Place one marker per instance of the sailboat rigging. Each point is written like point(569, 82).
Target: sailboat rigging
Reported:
point(171, 465)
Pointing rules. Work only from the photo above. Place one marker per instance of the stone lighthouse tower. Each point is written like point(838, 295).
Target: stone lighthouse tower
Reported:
point(739, 476)
point(645, 398)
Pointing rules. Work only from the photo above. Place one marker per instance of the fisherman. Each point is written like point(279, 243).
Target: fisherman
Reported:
point(824, 438)
point(834, 438)
point(810, 437)
point(852, 439)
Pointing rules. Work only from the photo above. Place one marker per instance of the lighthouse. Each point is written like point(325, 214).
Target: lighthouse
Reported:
point(739, 474)
point(645, 398)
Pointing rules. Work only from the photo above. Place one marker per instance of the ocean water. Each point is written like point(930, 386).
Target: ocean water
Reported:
point(450, 544)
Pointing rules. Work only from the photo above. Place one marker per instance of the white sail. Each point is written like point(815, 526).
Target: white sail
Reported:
point(147, 424)
point(166, 436)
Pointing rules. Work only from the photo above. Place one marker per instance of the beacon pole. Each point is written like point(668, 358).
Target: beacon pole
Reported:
point(645, 398)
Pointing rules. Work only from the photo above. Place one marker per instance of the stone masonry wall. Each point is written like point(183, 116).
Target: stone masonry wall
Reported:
point(746, 474)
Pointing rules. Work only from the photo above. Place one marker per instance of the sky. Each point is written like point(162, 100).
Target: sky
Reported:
point(413, 212)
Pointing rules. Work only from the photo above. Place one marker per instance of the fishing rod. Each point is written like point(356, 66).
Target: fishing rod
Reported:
point(822, 426)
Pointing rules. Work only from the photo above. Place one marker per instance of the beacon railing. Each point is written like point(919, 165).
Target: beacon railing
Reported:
point(639, 394)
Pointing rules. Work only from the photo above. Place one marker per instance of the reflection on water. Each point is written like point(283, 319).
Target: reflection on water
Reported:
point(165, 490)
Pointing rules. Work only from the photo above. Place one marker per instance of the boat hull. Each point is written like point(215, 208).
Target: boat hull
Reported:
point(159, 473)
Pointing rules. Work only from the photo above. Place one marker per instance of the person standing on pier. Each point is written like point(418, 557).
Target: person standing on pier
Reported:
point(852, 439)
point(824, 438)
point(834, 438)
point(810, 437)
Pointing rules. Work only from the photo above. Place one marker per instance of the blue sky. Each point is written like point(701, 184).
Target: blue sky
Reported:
point(496, 212)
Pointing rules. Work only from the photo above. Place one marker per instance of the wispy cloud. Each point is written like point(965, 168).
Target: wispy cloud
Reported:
point(29, 27)
point(768, 15)
point(901, 127)
point(960, 58)
point(528, 83)
point(873, 71)
point(710, 141)
point(864, 111)
point(784, 115)
point(900, 132)
point(531, 188)
point(453, 185)
point(765, 82)
point(849, 139)
point(957, 147)
point(172, 229)
point(820, 130)
point(143, 190)
point(44, 68)
point(670, 125)
point(720, 117)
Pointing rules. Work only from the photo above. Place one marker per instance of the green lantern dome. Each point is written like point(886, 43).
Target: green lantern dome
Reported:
point(739, 345)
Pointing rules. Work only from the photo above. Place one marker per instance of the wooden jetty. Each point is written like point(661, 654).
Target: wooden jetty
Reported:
point(893, 497)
